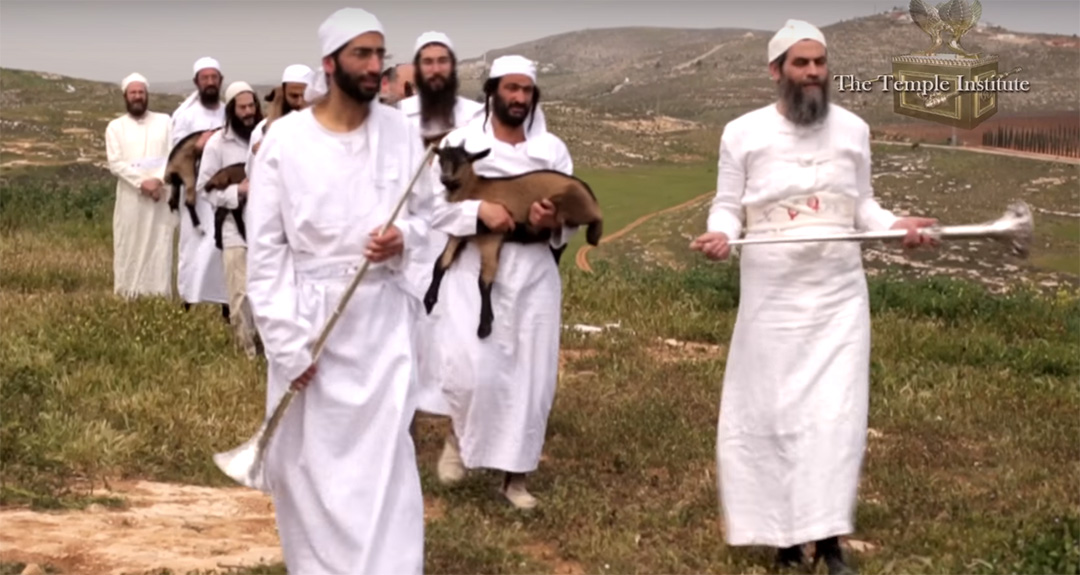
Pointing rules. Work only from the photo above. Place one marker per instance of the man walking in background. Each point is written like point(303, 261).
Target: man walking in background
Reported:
point(137, 146)
point(225, 148)
point(793, 412)
point(200, 275)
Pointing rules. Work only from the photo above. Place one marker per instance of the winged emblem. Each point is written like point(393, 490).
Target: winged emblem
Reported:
point(955, 16)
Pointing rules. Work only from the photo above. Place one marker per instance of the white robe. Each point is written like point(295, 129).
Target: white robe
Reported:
point(793, 411)
point(500, 389)
point(342, 466)
point(430, 399)
point(223, 149)
point(200, 273)
point(142, 228)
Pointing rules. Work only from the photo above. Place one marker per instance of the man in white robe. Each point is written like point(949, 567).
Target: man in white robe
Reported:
point(436, 110)
point(200, 272)
point(793, 412)
point(225, 148)
point(137, 145)
point(500, 389)
point(342, 466)
point(294, 82)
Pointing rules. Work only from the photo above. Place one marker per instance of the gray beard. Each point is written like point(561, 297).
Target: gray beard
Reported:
point(800, 108)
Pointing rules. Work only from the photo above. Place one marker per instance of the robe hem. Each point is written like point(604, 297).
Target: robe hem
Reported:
point(798, 538)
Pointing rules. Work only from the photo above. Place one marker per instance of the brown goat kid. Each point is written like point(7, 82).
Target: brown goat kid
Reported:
point(182, 170)
point(225, 177)
point(574, 202)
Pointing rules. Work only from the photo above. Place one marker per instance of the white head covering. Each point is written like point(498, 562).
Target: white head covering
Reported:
point(513, 65)
point(520, 65)
point(296, 73)
point(792, 32)
point(235, 89)
point(206, 62)
point(336, 31)
point(134, 77)
point(432, 38)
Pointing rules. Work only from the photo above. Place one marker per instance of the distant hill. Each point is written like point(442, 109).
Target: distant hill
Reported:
point(711, 75)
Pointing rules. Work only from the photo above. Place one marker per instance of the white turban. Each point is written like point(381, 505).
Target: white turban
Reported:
point(792, 32)
point(336, 31)
point(206, 62)
point(432, 38)
point(235, 89)
point(298, 73)
point(513, 65)
point(135, 77)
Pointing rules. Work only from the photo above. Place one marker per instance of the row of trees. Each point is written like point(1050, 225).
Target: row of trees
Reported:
point(1059, 140)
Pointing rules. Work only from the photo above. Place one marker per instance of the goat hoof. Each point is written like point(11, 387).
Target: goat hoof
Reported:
point(429, 304)
point(484, 330)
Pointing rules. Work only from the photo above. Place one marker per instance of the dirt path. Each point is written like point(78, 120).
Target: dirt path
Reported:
point(183, 528)
point(581, 258)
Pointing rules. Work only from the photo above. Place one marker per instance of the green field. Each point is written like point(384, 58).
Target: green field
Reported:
point(972, 463)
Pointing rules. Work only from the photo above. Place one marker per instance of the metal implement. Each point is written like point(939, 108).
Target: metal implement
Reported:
point(1015, 229)
point(244, 464)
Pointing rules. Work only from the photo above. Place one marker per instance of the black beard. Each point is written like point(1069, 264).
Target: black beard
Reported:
point(502, 112)
point(799, 107)
point(438, 104)
point(138, 107)
point(242, 130)
point(209, 96)
point(350, 85)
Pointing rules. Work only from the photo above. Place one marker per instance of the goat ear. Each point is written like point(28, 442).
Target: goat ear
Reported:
point(479, 155)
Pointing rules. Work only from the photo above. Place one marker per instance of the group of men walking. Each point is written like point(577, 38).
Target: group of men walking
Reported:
point(324, 179)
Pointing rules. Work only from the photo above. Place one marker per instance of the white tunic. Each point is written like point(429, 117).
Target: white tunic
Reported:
point(200, 275)
point(342, 466)
point(223, 149)
point(500, 389)
point(793, 411)
point(430, 398)
point(142, 228)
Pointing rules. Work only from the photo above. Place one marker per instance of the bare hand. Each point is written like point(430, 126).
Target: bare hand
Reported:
point(542, 215)
point(150, 188)
point(914, 238)
point(496, 217)
point(203, 139)
point(305, 379)
point(386, 246)
point(713, 244)
point(242, 188)
point(255, 148)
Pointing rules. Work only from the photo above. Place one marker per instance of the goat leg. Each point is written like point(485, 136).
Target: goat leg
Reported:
point(219, 224)
point(194, 216)
point(238, 218)
point(489, 247)
point(453, 248)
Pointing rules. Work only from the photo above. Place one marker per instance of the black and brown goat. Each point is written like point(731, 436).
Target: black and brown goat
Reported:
point(574, 202)
point(225, 177)
point(181, 171)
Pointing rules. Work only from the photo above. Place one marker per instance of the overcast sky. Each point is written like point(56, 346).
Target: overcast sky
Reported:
point(255, 39)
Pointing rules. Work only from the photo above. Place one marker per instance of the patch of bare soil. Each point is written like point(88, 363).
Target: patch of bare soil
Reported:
point(673, 350)
point(654, 125)
point(547, 553)
point(179, 527)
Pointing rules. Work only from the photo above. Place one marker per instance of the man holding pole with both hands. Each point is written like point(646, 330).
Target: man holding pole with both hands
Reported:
point(793, 412)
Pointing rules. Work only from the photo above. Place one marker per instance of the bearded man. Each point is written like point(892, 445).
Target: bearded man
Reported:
point(294, 81)
point(225, 148)
point(500, 389)
point(793, 412)
point(137, 146)
point(342, 467)
point(435, 111)
point(200, 276)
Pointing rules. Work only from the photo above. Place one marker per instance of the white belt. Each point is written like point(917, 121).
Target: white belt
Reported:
point(336, 268)
point(817, 209)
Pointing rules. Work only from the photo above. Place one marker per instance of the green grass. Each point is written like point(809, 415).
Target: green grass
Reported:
point(971, 469)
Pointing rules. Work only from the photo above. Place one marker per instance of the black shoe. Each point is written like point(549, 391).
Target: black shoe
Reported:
point(225, 312)
point(790, 557)
point(828, 550)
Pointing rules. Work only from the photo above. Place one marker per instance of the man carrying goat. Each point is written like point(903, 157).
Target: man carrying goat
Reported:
point(435, 111)
point(226, 148)
point(500, 389)
point(342, 467)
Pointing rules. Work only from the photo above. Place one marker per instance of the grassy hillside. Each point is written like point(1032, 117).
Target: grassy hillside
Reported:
point(97, 390)
point(715, 74)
